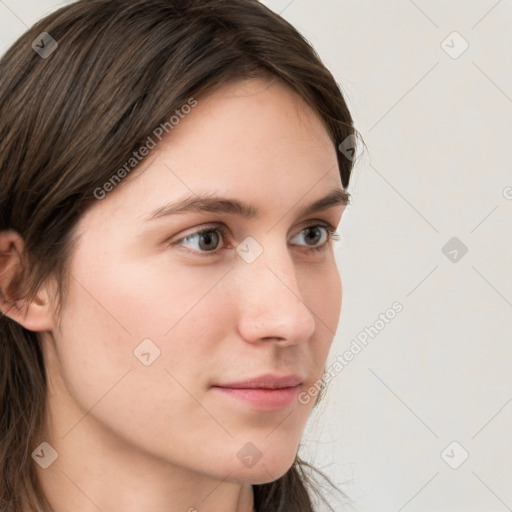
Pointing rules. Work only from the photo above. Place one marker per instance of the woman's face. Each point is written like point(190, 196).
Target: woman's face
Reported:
point(158, 317)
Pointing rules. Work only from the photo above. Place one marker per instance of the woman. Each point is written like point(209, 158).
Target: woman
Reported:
point(171, 176)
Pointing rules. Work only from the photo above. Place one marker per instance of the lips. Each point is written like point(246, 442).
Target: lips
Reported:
point(267, 381)
point(264, 393)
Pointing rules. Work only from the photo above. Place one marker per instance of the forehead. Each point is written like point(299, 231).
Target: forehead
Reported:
point(247, 111)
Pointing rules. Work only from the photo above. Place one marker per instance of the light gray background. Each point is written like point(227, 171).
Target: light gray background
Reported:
point(438, 131)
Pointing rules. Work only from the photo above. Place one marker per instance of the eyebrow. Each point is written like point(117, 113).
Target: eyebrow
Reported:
point(215, 204)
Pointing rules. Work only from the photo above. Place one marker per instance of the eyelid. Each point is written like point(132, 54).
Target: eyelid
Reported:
point(222, 226)
point(223, 230)
point(201, 229)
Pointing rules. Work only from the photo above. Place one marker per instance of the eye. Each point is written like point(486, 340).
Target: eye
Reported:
point(205, 242)
point(314, 233)
point(208, 239)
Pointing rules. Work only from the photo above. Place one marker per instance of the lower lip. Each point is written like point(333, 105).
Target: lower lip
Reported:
point(263, 399)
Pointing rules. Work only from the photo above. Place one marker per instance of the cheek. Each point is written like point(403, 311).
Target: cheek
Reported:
point(336, 296)
point(323, 289)
point(149, 406)
point(144, 299)
point(143, 326)
point(328, 296)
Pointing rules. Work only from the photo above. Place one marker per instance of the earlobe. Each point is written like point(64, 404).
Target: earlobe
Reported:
point(33, 313)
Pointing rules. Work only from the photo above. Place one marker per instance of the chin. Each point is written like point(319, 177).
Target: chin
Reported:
point(265, 470)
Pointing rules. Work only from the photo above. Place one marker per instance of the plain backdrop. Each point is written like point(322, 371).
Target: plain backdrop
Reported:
point(420, 418)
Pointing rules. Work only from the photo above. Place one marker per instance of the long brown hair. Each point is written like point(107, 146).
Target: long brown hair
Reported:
point(73, 112)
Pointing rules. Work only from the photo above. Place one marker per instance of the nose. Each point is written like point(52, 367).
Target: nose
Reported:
point(271, 305)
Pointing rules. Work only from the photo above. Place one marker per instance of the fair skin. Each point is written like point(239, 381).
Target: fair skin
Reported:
point(152, 438)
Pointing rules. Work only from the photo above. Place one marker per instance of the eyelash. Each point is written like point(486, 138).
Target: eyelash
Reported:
point(330, 229)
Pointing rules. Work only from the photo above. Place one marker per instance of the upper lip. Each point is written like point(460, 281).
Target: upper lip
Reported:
point(267, 381)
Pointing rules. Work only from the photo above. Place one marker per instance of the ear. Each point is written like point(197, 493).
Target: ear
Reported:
point(33, 313)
